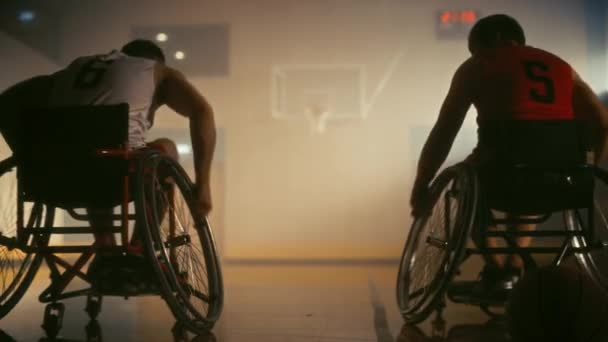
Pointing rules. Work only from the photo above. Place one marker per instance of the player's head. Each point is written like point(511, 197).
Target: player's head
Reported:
point(495, 31)
point(145, 49)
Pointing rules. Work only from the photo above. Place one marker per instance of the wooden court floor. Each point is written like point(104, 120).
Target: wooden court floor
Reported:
point(322, 302)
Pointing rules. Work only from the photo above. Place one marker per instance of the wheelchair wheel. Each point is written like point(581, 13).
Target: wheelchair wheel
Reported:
point(435, 245)
point(18, 268)
point(180, 243)
point(590, 261)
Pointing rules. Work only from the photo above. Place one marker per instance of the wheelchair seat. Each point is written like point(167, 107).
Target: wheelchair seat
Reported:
point(59, 162)
point(538, 166)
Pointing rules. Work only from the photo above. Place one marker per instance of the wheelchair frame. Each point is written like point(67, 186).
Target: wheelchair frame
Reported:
point(576, 235)
point(33, 235)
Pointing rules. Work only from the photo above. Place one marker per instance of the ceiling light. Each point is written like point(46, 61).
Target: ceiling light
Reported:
point(27, 16)
point(179, 55)
point(184, 149)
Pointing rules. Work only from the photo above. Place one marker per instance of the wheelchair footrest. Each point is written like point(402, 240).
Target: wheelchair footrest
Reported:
point(125, 287)
point(123, 276)
point(476, 293)
point(127, 292)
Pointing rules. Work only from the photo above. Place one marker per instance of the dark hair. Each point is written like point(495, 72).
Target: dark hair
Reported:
point(145, 49)
point(486, 31)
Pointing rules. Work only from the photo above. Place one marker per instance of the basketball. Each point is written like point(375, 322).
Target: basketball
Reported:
point(558, 304)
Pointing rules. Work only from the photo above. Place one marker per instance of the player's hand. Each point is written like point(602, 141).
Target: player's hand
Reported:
point(203, 199)
point(419, 200)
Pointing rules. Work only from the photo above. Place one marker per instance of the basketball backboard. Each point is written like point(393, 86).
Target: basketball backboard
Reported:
point(318, 93)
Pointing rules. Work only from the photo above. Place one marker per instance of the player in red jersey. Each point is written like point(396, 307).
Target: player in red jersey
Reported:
point(505, 79)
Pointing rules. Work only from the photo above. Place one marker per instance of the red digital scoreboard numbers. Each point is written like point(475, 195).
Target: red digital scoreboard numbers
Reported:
point(460, 17)
point(455, 23)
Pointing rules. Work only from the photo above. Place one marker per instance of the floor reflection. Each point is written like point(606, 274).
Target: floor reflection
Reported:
point(494, 330)
point(264, 303)
point(94, 333)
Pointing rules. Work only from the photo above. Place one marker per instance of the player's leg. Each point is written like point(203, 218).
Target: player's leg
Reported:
point(502, 272)
point(515, 261)
point(512, 260)
point(168, 148)
point(481, 158)
point(494, 260)
point(493, 277)
point(103, 271)
point(165, 146)
point(101, 221)
point(492, 273)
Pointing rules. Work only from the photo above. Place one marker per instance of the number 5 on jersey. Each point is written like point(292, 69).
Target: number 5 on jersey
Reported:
point(534, 71)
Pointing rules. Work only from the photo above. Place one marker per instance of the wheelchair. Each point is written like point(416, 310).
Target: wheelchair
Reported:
point(75, 158)
point(535, 173)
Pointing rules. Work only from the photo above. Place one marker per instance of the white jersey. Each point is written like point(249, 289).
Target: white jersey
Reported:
point(110, 79)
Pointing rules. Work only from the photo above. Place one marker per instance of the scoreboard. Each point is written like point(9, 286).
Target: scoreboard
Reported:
point(455, 23)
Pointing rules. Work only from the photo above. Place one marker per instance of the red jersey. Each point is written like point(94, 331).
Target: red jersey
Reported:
point(524, 83)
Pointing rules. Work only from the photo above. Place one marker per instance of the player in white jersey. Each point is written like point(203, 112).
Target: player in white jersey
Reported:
point(108, 79)
point(136, 75)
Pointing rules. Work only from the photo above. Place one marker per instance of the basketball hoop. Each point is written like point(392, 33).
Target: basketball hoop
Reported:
point(317, 115)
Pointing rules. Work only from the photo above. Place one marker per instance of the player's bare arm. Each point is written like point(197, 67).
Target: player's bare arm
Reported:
point(181, 96)
point(440, 140)
point(587, 104)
